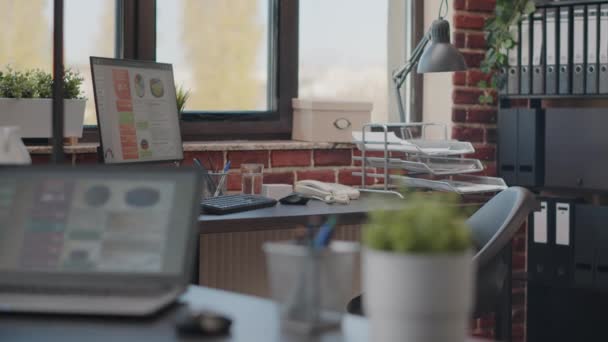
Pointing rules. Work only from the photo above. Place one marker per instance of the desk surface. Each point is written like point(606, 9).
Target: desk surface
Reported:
point(255, 319)
point(281, 216)
point(290, 215)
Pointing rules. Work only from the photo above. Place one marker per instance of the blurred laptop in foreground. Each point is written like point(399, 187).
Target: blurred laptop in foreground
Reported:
point(99, 240)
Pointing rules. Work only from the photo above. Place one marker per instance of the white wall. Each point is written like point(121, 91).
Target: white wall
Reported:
point(437, 101)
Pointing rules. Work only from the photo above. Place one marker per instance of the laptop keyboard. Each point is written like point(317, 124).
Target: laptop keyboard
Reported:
point(229, 204)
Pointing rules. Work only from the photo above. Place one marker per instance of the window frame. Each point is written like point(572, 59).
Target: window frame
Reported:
point(136, 39)
point(283, 80)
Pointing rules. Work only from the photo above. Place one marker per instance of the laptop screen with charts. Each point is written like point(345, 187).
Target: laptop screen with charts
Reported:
point(136, 111)
point(98, 225)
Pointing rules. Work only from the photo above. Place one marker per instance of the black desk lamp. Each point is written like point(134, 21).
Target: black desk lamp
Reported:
point(440, 56)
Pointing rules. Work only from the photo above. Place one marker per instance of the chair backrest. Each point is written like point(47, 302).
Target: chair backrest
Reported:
point(495, 223)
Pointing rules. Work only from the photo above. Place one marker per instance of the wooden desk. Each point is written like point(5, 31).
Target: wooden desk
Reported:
point(254, 319)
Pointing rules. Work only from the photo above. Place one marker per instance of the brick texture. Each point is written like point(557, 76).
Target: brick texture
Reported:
point(279, 178)
point(282, 158)
point(477, 123)
point(333, 157)
point(237, 158)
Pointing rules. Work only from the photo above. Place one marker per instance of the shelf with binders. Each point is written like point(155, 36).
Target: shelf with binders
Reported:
point(557, 3)
point(562, 53)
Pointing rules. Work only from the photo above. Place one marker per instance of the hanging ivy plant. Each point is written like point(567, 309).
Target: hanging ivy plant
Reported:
point(500, 38)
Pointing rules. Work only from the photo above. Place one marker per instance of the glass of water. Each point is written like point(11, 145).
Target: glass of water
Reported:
point(252, 176)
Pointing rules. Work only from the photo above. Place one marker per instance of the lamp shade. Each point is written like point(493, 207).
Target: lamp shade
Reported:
point(441, 55)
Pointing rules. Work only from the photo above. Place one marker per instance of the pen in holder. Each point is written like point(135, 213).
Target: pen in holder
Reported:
point(214, 184)
point(311, 286)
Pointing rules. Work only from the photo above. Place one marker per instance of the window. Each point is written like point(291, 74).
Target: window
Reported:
point(343, 51)
point(220, 52)
point(26, 37)
point(237, 57)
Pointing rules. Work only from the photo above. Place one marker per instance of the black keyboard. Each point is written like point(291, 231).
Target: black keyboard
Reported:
point(229, 204)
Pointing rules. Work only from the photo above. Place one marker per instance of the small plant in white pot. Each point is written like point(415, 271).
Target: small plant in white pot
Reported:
point(25, 102)
point(418, 271)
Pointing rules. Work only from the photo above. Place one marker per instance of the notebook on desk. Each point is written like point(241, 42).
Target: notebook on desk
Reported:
point(101, 240)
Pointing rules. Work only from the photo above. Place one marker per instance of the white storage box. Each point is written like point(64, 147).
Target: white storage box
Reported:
point(328, 120)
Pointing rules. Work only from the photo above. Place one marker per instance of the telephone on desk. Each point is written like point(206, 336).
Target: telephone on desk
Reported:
point(327, 192)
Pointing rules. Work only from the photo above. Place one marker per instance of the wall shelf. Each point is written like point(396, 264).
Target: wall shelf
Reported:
point(544, 4)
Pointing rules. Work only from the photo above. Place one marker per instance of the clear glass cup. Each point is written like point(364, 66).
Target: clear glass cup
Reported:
point(212, 181)
point(252, 176)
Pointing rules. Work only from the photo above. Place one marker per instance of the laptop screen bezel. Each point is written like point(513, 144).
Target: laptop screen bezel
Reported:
point(107, 279)
point(140, 64)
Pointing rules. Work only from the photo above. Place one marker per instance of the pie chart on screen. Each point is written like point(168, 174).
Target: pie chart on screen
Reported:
point(157, 88)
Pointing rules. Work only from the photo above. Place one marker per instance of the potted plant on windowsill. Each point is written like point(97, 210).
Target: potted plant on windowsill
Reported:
point(26, 102)
point(418, 273)
point(182, 96)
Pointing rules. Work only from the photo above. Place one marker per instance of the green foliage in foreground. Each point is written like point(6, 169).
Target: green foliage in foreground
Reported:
point(428, 224)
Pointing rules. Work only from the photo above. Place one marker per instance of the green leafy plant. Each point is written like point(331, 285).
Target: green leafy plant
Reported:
point(428, 224)
point(38, 84)
point(182, 97)
point(500, 38)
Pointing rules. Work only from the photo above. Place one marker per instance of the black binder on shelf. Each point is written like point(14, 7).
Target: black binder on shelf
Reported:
point(538, 52)
point(530, 147)
point(513, 70)
point(579, 51)
point(588, 219)
point(524, 66)
point(551, 51)
point(565, 46)
point(507, 145)
point(592, 49)
point(540, 267)
point(603, 47)
point(562, 231)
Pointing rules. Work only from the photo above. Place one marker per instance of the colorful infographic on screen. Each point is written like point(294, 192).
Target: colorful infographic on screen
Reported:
point(136, 111)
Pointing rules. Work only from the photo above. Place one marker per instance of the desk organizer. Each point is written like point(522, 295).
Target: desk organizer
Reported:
point(440, 158)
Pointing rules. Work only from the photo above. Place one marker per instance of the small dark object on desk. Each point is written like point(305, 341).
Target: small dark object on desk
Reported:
point(230, 204)
point(203, 323)
point(294, 199)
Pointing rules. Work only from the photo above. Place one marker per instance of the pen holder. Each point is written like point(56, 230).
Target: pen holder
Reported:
point(212, 181)
point(311, 287)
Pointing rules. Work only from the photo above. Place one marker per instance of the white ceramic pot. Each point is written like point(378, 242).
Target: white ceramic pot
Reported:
point(418, 298)
point(34, 116)
point(12, 149)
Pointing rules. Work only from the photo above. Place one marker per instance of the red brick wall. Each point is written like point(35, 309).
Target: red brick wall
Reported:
point(280, 166)
point(477, 123)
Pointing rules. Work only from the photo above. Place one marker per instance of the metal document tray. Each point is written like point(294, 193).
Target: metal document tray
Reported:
point(428, 165)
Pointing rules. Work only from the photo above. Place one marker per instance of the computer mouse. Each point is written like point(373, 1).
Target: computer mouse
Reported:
point(294, 199)
point(203, 323)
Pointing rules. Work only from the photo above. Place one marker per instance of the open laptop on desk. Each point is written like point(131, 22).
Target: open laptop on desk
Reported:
point(101, 240)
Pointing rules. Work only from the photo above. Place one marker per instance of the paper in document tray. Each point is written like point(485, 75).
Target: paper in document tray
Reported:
point(377, 141)
point(428, 165)
point(461, 184)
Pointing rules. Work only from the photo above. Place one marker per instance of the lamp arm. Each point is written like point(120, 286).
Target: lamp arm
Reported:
point(400, 75)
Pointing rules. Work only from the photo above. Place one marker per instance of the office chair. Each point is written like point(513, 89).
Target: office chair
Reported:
point(492, 227)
